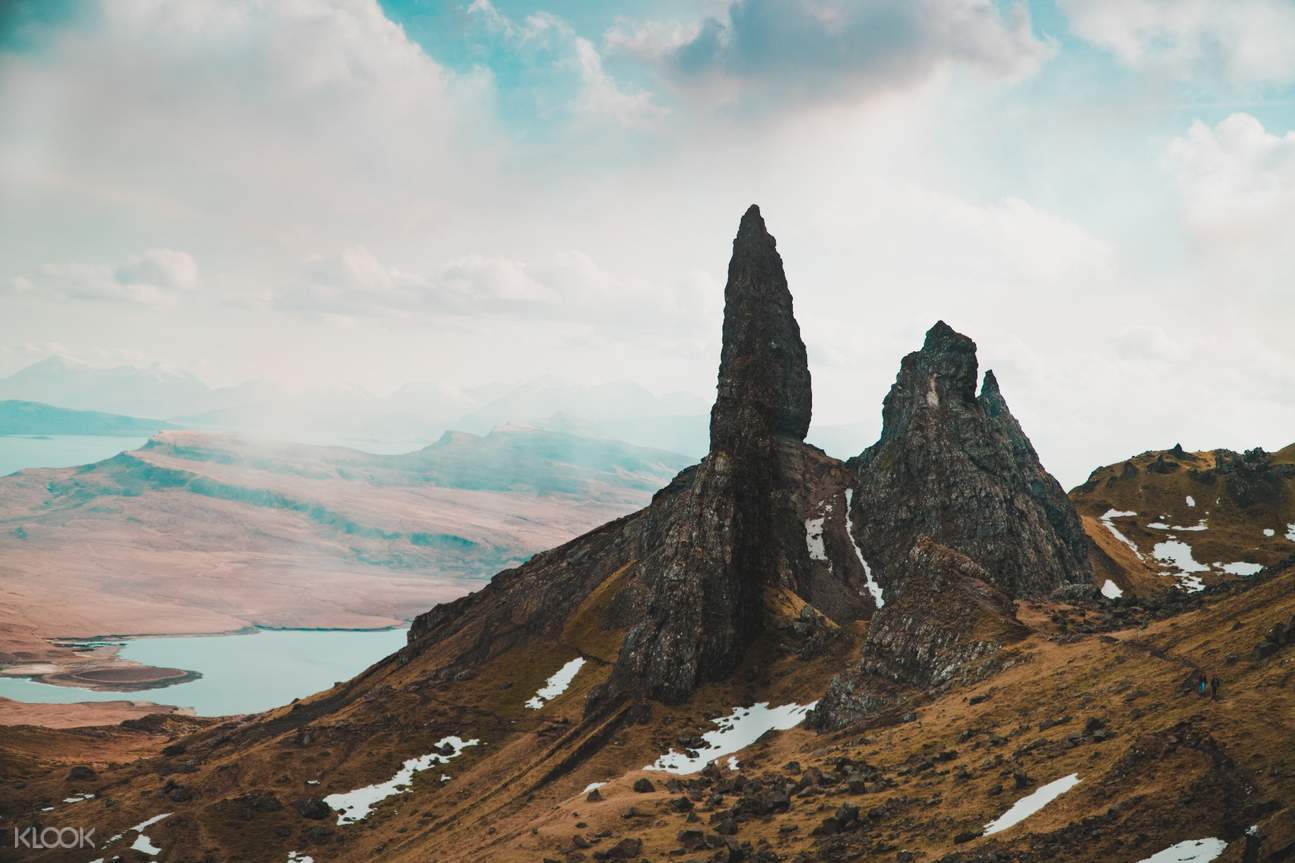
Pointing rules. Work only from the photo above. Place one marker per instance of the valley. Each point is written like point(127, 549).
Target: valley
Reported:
point(197, 533)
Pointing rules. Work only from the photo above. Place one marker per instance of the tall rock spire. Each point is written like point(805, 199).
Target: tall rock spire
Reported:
point(735, 528)
point(764, 385)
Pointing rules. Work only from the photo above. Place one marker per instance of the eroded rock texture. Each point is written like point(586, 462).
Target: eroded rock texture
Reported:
point(946, 625)
point(736, 530)
point(960, 470)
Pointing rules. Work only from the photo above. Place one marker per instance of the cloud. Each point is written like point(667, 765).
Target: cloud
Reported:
point(155, 277)
point(544, 39)
point(208, 113)
point(1248, 41)
point(770, 53)
point(565, 287)
point(1237, 182)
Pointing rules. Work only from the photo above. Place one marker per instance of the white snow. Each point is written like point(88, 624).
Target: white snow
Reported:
point(1111, 590)
point(1203, 524)
point(1179, 554)
point(312, 781)
point(814, 539)
point(293, 857)
point(1191, 501)
point(1106, 521)
point(557, 684)
point(1242, 568)
point(873, 587)
point(734, 732)
point(77, 798)
point(356, 805)
point(1189, 851)
point(732, 762)
point(1290, 531)
point(143, 843)
point(1268, 531)
point(592, 785)
point(1031, 803)
point(150, 822)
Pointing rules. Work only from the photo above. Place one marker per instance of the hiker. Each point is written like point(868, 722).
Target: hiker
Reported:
point(1202, 685)
point(1215, 683)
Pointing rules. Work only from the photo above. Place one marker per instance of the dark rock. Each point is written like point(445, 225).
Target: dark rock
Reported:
point(957, 467)
point(945, 625)
point(593, 796)
point(82, 773)
point(643, 785)
point(626, 849)
point(313, 808)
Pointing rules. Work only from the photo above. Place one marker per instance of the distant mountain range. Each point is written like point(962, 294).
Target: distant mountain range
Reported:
point(412, 416)
point(34, 418)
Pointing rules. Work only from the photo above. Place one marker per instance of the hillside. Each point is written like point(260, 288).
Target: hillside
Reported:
point(782, 657)
point(199, 533)
point(34, 418)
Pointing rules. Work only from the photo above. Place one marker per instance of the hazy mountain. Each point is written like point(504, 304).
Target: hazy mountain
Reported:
point(21, 417)
point(129, 390)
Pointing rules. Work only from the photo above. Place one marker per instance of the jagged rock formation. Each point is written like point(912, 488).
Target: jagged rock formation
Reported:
point(736, 529)
point(959, 469)
point(946, 625)
point(691, 571)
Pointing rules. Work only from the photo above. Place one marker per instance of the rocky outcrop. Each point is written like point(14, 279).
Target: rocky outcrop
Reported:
point(959, 469)
point(947, 624)
point(682, 583)
point(736, 530)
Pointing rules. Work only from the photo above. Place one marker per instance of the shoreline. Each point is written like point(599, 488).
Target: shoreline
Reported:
point(67, 673)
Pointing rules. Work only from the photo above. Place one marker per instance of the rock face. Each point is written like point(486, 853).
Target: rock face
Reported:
point(947, 624)
point(677, 591)
point(735, 530)
point(960, 470)
point(956, 517)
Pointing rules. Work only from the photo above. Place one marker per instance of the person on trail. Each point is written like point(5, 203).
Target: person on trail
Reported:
point(1215, 683)
point(1202, 685)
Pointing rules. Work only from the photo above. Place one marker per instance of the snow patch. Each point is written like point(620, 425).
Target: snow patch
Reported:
point(592, 785)
point(1191, 501)
point(293, 857)
point(1189, 851)
point(1241, 568)
point(1032, 803)
point(1268, 531)
point(873, 587)
point(1115, 532)
point(1290, 531)
point(1111, 590)
point(1179, 554)
point(814, 540)
point(77, 798)
point(1203, 524)
point(144, 844)
point(356, 805)
point(734, 732)
point(557, 684)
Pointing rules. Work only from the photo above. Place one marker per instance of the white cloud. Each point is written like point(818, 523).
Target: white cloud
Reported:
point(1237, 182)
point(560, 287)
point(767, 53)
point(1249, 41)
point(599, 96)
point(158, 276)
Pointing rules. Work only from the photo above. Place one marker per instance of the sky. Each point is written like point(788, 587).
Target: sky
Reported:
point(348, 193)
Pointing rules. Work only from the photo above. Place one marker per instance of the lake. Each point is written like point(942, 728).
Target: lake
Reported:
point(241, 673)
point(23, 451)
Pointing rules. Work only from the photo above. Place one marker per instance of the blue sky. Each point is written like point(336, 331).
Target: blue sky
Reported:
point(354, 193)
